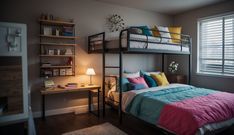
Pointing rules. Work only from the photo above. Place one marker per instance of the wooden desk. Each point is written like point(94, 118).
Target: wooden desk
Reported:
point(90, 89)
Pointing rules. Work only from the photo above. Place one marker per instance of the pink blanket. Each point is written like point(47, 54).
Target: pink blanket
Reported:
point(185, 117)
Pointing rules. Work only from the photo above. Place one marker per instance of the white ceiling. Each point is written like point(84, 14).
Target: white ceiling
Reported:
point(170, 7)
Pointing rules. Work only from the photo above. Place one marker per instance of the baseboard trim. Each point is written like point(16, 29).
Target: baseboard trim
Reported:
point(73, 109)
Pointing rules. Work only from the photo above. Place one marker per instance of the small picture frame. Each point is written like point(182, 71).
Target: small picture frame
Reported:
point(69, 71)
point(55, 72)
point(47, 31)
point(62, 72)
point(51, 52)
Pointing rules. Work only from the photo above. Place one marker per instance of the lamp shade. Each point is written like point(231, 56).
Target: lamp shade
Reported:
point(90, 71)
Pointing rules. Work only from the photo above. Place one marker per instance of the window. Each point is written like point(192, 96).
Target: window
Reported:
point(216, 45)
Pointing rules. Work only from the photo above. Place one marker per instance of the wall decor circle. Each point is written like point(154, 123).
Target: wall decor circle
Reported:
point(116, 23)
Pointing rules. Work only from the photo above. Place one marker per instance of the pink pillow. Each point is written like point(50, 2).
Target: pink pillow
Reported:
point(138, 80)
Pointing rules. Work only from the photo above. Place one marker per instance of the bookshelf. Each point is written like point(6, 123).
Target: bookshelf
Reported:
point(57, 48)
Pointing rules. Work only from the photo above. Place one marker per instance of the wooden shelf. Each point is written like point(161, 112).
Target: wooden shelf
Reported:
point(58, 44)
point(56, 66)
point(57, 55)
point(59, 37)
point(56, 22)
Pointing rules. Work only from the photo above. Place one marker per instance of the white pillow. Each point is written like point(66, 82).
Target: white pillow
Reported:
point(164, 32)
point(131, 75)
point(156, 72)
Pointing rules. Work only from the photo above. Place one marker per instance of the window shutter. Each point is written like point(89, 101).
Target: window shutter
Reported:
point(229, 45)
point(216, 45)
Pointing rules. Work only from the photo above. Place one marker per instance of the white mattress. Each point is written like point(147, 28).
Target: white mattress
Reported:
point(114, 43)
point(201, 131)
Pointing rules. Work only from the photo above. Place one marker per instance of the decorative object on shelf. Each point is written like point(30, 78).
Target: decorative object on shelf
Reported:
point(90, 72)
point(51, 52)
point(69, 62)
point(173, 67)
point(55, 72)
point(62, 72)
point(69, 71)
point(48, 73)
point(116, 23)
point(47, 30)
point(68, 51)
point(56, 51)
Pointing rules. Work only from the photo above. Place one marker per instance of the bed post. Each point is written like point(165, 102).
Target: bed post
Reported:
point(104, 74)
point(162, 62)
point(120, 75)
point(190, 62)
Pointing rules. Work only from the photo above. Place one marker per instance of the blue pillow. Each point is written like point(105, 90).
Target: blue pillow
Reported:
point(132, 86)
point(150, 81)
point(146, 30)
point(124, 84)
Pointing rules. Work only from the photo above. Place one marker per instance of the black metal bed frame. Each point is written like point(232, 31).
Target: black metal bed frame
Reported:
point(129, 50)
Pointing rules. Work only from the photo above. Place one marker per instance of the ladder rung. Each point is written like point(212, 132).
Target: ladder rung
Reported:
point(112, 67)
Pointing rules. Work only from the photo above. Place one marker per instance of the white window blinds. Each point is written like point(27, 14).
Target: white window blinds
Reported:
point(216, 46)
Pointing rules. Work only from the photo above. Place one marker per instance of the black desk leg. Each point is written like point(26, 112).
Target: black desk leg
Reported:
point(98, 103)
point(43, 107)
point(90, 100)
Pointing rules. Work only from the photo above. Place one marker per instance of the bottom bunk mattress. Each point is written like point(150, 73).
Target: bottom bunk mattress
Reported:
point(181, 109)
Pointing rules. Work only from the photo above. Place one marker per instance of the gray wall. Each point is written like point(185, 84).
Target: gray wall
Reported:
point(90, 18)
point(188, 21)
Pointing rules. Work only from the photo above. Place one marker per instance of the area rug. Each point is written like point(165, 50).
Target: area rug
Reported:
point(102, 129)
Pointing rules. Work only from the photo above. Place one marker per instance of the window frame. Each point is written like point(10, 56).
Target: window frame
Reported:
point(199, 21)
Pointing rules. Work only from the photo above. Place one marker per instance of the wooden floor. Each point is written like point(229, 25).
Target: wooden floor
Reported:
point(56, 125)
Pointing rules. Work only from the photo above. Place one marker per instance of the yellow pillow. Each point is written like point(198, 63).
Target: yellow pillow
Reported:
point(160, 78)
point(155, 31)
point(175, 36)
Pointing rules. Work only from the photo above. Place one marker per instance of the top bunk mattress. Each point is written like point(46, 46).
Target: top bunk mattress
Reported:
point(137, 41)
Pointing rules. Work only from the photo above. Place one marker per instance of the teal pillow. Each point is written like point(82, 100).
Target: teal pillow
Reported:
point(146, 30)
point(142, 73)
point(150, 81)
point(124, 84)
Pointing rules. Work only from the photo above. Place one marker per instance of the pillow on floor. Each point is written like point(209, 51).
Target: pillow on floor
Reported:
point(138, 80)
point(174, 37)
point(150, 81)
point(161, 79)
point(165, 35)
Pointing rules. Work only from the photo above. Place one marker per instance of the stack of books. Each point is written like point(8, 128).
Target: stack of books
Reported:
point(72, 85)
point(68, 31)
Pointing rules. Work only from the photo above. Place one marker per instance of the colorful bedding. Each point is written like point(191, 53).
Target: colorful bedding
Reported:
point(181, 109)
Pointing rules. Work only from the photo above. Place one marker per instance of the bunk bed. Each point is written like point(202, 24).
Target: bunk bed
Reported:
point(127, 43)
